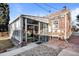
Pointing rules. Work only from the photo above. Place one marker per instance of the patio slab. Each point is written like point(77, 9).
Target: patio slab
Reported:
point(41, 50)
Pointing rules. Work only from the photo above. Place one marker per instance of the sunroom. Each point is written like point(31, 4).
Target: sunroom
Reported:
point(28, 29)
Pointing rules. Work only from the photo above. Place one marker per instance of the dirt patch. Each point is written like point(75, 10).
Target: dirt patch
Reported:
point(5, 44)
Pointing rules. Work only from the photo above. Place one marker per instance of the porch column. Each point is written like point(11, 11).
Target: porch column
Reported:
point(21, 26)
point(39, 31)
point(26, 30)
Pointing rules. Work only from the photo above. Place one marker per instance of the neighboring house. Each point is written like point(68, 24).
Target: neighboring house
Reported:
point(34, 28)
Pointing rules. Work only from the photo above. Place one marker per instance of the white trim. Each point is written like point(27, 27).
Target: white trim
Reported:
point(65, 27)
point(55, 35)
point(49, 28)
point(21, 22)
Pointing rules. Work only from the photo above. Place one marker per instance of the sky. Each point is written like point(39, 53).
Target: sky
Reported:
point(16, 9)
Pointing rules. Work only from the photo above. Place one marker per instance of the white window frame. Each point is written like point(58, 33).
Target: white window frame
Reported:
point(53, 24)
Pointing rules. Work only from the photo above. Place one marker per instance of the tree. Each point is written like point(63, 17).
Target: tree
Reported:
point(4, 17)
point(77, 20)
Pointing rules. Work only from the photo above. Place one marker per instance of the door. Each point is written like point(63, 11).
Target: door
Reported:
point(35, 33)
point(29, 33)
point(32, 33)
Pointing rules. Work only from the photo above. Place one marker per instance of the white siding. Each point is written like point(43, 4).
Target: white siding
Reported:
point(16, 27)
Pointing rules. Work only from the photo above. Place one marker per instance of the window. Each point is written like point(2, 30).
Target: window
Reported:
point(62, 15)
point(43, 28)
point(55, 24)
point(16, 34)
point(30, 21)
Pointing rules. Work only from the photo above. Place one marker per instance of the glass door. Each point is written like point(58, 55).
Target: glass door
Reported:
point(35, 33)
point(29, 33)
point(32, 33)
point(32, 30)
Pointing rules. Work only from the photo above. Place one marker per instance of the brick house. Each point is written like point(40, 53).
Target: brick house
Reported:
point(34, 28)
point(60, 24)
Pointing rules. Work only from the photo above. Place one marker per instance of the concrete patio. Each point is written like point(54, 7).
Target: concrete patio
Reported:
point(41, 50)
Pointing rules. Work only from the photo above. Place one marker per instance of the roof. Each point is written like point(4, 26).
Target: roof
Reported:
point(63, 11)
point(38, 18)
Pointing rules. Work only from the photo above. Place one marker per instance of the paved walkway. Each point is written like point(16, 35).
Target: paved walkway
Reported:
point(74, 39)
point(67, 52)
